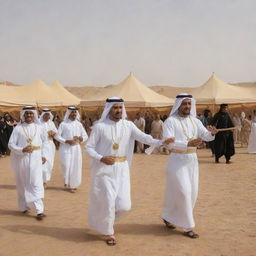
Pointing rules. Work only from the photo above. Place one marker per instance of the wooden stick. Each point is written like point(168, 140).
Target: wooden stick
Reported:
point(227, 129)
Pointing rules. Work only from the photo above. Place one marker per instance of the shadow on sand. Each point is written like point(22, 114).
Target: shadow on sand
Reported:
point(81, 235)
point(15, 213)
point(3, 186)
point(146, 229)
point(78, 235)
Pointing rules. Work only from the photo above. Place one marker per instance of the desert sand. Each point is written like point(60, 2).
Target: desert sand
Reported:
point(225, 213)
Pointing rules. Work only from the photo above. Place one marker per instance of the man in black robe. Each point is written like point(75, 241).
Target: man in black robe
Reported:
point(224, 141)
point(148, 123)
point(3, 138)
point(9, 125)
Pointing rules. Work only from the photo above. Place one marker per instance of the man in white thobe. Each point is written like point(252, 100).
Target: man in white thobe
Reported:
point(110, 147)
point(140, 123)
point(237, 123)
point(182, 170)
point(252, 138)
point(157, 131)
point(27, 157)
point(157, 127)
point(51, 130)
point(71, 134)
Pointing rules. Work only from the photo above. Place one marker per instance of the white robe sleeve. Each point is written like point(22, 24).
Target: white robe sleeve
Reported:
point(144, 138)
point(58, 136)
point(13, 142)
point(203, 133)
point(54, 127)
point(90, 147)
point(83, 133)
point(45, 141)
point(168, 132)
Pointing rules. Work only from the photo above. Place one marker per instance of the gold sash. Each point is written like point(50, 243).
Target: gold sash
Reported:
point(188, 151)
point(120, 158)
point(35, 147)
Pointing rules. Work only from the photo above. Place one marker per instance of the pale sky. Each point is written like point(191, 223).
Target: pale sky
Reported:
point(98, 42)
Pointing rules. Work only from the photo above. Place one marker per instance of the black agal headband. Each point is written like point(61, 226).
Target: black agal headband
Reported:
point(72, 108)
point(184, 96)
point(29, 108)
point(114, 100)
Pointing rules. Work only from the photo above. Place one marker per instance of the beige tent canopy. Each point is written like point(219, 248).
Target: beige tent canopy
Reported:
point(63, 95)
point(215, 91)
point(41, 94)
point(36, 94)
point(12, 96)
point(134, 93)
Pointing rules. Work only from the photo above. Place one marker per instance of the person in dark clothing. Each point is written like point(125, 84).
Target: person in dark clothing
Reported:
point(10, 124)
point(164, 118)
point(3, 138)
point(148, 122)
point(224, 141)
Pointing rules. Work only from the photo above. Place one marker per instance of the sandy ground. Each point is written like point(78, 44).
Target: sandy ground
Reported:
point(225, 214)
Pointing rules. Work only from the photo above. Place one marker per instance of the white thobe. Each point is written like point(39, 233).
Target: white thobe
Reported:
point(49, 150)
point(182, 172)
point(157, 129)
point(252, 139)
point(71, 156)
point(28, 166)
point(110, 184)
point(140, 123)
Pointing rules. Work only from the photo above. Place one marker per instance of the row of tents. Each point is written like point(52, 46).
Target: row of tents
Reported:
point(136, 95)
point(36, 94)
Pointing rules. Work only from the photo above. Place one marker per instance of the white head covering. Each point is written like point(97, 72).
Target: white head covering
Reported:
point(109, 104)
point(29, 108)
point(178, 101)
point(68, 112)
point(46, 111)
point(243, 115)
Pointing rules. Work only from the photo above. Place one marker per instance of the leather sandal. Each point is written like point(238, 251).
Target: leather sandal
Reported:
point(191, 234)
point(111, 241)
point(168, 224)
point(40, 216)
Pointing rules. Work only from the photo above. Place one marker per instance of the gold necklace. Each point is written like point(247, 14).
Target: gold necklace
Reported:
point(29, 140)
point(115, 143)
point(184, 130)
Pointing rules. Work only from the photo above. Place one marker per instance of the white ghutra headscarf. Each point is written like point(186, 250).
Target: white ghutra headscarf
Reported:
point(178, 101)
point(29, 108)
point(110, 102)
point(46, 111)
point(68, 112)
